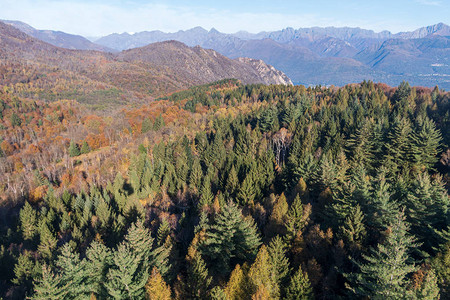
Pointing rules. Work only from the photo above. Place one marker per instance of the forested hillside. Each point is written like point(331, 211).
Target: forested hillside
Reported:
point(228, 191)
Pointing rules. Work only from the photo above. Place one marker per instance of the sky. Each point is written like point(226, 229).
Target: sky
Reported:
point(94, 18)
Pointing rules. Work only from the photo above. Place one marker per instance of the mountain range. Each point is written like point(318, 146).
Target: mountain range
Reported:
point(309, 56)
point(328, 55)
point(36, 69)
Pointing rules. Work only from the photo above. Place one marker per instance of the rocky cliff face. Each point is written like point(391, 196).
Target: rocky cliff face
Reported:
point(267, 72)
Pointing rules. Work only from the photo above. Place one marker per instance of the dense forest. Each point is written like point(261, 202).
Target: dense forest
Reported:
point(228, 191)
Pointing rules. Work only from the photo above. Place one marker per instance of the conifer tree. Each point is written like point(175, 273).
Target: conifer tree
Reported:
point(156, 288)
point(206, 196)
point(84, 148)
point(125, 278)
point(196, 176)
point(146, 125)
point(50, 286)
point(428, 289)
point(299, 288)
point(426, 140)
point(73, 273)
point(217, 293)
point(263, 272)
point(279, 260)
point(198, 281)
point(98, 260)
point(236, 288)
point(47, 241)
point(163, 232)
point(297, 218)
point(159, 123)
point(384, 273)
point(398, 148)
point(278, 217)
point(354, 230)
point(73, 149)
point(230, 237)
point(28, 221)
point(383, 209)
point(232, 182)
point(247, 191)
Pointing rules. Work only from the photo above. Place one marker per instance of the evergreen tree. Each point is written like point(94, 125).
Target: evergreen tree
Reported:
point(384, 274)
point(206, 196)
point(247, 192)
point(297, 218)
point(428, 288)
point(279, 260)
point(28, 221)
point(299, 288)
point(125, 278)
point(230, 237)
point(146, 125)
point(383, 209)
point(426, 140)
point(74, 273)
point(159, 123)
point(156, 288)
point(236, 288)
point(47, 241)
point(84, 148)
point(73, 149)
point(198, 281)
point(217, 293)
point(98, 260)
point(353, 229)
point(50, 286)
point(263, 272)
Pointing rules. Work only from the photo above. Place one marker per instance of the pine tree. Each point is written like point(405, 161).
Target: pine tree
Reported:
point(354, 230)
point(297, 217)
point(206, 196)
point(25, 270)
point(278, 217)
point(384, 274)
point(229, 237)
point(73, 273)
point(383, 209)
point(50, 286)
point(299, 288)
point(426, 140)
point(84, 148)
point(236, 288)
point(125, 278)
point(398, 149)
point(146, 125)
point(232, 182)
point(73, 149)
point(156, 288)
point(198, 281)
point(217, 293)
point(279, 260)
point(263, 272)
point(28, 221)
point(428, 289)
point(247, 192)
point(98, 260)
point(159, 123)
point(196, 176)
point(47, 241)
point(163, 232)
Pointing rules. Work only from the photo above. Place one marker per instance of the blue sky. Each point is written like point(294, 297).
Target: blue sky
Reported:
point(101, 17)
